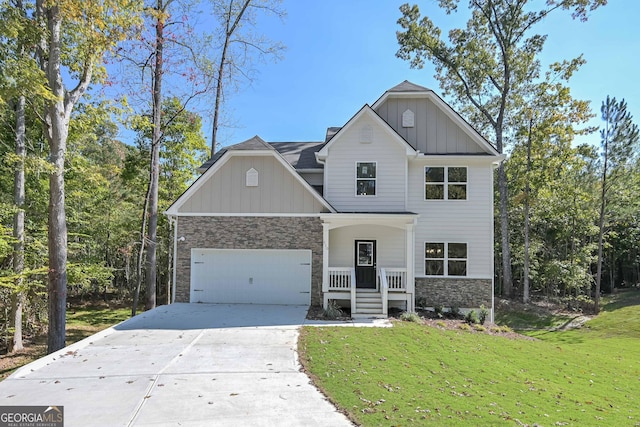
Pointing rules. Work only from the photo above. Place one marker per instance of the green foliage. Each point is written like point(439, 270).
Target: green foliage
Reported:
point(415, 375)
point(471, 317)
point(454, 312)
point(439, 311)
point(408, 316)
point(333, 311)
point(483, 314)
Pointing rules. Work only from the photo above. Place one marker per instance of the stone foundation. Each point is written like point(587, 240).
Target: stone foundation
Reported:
point(453, 292)
point(248, 233)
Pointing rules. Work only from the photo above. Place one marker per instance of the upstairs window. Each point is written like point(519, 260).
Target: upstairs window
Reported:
point(366, 178)
point(445, 259)
point(445, 183)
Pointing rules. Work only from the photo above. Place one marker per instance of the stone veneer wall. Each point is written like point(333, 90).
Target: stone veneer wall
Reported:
point(453, 292)
point(238, 232)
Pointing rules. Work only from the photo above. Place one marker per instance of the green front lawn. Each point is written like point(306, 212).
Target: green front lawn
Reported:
point(415, 374)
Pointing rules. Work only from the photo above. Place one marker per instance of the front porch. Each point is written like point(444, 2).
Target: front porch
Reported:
point(368, 262)
point(391, 290)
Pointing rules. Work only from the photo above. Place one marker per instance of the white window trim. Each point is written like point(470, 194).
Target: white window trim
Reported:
point(355, 181)
point(445, 183)
point(446, 259)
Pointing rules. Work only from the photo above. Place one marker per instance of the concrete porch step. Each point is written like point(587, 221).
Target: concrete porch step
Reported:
point(368, 316)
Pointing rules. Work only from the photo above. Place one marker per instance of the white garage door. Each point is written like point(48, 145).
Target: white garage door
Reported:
point(251, 276)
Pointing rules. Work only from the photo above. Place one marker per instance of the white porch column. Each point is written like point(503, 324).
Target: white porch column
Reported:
point(325, 263)
point(411, 259)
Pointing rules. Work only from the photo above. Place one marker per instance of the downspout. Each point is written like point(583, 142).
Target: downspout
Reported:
point(174, 222)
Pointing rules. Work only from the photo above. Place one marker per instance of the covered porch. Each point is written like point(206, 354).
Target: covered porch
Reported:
point(368, 262)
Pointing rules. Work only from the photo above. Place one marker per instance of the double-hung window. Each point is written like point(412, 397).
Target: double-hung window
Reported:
point(445, 183)
point(445, 259)
point(366, 177)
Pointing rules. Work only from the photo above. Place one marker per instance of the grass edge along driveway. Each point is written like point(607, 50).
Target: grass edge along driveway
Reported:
point(415, 374)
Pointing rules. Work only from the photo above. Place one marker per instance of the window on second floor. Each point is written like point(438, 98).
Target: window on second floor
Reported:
point(366, 178)
point(445, 259)
point(445, 183)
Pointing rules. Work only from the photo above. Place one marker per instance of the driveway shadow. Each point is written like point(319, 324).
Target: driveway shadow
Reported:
point(182, 316)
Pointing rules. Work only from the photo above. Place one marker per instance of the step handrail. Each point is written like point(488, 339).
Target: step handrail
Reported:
point(384, 290)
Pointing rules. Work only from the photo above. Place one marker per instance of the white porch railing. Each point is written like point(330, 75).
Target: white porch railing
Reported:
point(389, 280)
point(384, 290)
point(396, 278)
point(340, 278)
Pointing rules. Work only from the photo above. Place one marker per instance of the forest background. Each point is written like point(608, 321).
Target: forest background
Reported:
point(136, 80)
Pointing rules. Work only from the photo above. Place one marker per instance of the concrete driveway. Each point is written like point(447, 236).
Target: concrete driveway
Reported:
point(182, 364)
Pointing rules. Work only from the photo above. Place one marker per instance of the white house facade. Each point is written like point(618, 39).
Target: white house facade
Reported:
point(395, 208)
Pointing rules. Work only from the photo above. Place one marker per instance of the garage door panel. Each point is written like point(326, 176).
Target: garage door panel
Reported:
point(251, 276)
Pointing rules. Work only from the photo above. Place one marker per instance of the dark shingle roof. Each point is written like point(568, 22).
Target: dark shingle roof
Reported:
point(331, 132)
point(407, 86)
point(301, 155)
point(255, 143)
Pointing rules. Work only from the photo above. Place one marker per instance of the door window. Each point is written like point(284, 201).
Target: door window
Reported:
point(365, 254)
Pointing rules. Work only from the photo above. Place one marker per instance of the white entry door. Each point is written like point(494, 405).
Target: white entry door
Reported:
point(251, 276)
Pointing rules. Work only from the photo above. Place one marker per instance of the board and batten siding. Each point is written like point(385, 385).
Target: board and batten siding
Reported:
point(278, 191)
point(433, 131)
point(340, 170)
point(458, 221)
point(390, 245)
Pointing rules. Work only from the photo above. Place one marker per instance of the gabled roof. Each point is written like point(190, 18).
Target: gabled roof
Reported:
point(366, 110)
point(255, 143)
point(407, 86)
point(260, 147)
point(408, 89)
point(300, 155)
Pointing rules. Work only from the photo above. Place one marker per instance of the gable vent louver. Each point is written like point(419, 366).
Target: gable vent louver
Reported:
point(252, 178)
point(408, 119)
point(366, 134)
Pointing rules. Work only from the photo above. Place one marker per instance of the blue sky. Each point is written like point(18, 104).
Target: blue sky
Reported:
point(341, 54)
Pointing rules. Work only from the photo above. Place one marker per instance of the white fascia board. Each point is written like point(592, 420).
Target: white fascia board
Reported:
point(247, 214)
point(465, 158)
point(314, 170)
point(336, 220)
point(366, 109)
point(448, 110)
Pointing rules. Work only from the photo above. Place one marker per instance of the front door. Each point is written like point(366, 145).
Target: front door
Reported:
point(365, 264)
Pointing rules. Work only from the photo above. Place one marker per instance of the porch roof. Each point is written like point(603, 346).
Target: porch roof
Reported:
point(391, 219)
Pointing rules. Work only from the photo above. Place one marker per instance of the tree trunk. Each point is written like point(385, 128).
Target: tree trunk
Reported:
point(230, 28)
point(527, 191)
point(18, 229)
point(57, 132)
point(155, 162)
point(143, 228)
point(507, 281)
point(603, 205)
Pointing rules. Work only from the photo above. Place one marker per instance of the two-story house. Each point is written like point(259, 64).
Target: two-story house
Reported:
point(393, 208)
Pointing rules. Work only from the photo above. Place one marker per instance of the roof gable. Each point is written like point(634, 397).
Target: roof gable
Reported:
point(248, 151)
point(410, 91)
point(366, 110)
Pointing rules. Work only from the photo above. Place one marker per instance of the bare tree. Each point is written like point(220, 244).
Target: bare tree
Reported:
point(233, 64)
